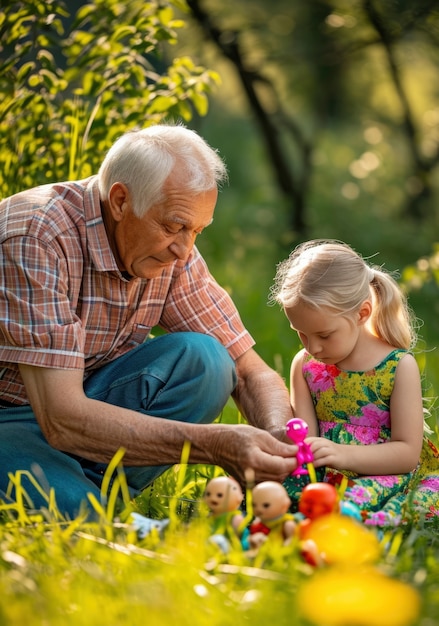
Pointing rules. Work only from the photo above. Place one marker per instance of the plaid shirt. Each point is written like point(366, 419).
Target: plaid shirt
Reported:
point(64, 303)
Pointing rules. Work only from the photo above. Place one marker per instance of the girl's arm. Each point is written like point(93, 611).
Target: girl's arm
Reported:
point(398, 456)
point(300, 396)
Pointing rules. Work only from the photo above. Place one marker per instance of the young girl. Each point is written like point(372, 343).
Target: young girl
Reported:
point(356, 383)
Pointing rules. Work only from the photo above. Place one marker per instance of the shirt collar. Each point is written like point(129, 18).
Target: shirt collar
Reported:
point(97, 240)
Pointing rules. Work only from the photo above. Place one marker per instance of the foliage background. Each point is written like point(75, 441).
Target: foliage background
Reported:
point(326, 113)
point(328, 118)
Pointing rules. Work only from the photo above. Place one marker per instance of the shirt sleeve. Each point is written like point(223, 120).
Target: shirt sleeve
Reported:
point(197, 303)
point(37, 325)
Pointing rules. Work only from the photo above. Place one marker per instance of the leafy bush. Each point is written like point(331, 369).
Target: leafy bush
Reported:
point(72, 84)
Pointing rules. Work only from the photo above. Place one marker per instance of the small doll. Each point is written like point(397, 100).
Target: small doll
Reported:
point(270, 505)
point(223, 496)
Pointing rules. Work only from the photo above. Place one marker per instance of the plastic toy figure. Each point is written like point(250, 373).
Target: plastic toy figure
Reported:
point(339, 539)
point(318, 499)
point(146, 526)
point(297, 430)
point(223, 496)
point(270, 505)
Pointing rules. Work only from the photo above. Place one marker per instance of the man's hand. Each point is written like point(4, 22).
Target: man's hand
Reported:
point(238, 448)
point(95, 430)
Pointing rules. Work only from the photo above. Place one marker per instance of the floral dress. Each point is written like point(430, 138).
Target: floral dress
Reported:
point(353, 408)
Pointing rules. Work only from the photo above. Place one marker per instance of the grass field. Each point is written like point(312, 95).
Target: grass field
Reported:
point(71, 573)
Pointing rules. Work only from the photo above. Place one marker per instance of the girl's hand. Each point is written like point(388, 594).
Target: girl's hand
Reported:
point(326, 452)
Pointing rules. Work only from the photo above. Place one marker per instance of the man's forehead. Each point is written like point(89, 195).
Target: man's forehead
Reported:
point(185, 221)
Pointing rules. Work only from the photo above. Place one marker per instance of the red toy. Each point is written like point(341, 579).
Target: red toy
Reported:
point(318, 499)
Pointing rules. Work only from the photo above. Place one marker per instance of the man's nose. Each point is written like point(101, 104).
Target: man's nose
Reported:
point(182, 245)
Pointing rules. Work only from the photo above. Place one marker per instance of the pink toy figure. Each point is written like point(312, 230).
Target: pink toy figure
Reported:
point(297, 430)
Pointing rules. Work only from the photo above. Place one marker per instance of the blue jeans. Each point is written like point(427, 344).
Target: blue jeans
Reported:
point(180, 376)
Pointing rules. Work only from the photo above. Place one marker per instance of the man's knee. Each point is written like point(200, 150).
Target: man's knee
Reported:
point(201, 378)
point(208, 354)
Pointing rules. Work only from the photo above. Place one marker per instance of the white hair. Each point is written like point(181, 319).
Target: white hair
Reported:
point(144, 159)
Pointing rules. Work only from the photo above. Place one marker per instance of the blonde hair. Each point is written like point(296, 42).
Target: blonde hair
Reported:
point(328, 273)
point(144, 160)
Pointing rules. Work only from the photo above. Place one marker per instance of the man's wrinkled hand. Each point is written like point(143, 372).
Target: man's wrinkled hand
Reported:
point(237, 448)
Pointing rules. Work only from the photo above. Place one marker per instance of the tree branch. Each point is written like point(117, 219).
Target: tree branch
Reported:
point(422, 166)
point(294, 185)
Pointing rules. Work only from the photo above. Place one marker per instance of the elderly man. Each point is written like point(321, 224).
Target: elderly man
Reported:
point(88, 268)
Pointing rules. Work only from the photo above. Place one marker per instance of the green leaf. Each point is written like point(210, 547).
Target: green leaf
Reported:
point(184, 110)
point(200, 102)
point(34, 80)
point(160, 104)
point(122, 31)
point(24, 71)
point(165, 15)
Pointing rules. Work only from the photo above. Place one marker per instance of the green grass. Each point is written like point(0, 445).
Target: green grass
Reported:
point(57, 572)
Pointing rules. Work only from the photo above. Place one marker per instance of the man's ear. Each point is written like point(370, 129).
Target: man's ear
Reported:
point(365, 312)
point(119, 200)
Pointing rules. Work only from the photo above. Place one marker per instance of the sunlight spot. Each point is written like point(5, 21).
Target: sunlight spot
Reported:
point(350, 191)
point(373, 135)
point(338, 21)
point(201, 591)
point(429, 147)
point(360, 168)
point(423, 265)
point(415, 282)
point(431, 118)
point(14, 558)
point(250, 596)
point(357, 169)
point(334, 20)
point(420, 576)
point(370, 161)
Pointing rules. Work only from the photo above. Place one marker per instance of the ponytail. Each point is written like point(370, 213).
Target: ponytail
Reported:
point(391, 319)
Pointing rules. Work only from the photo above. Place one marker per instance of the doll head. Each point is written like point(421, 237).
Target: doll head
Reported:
point(270, 500)
point(223, 494)
point(318, 499)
